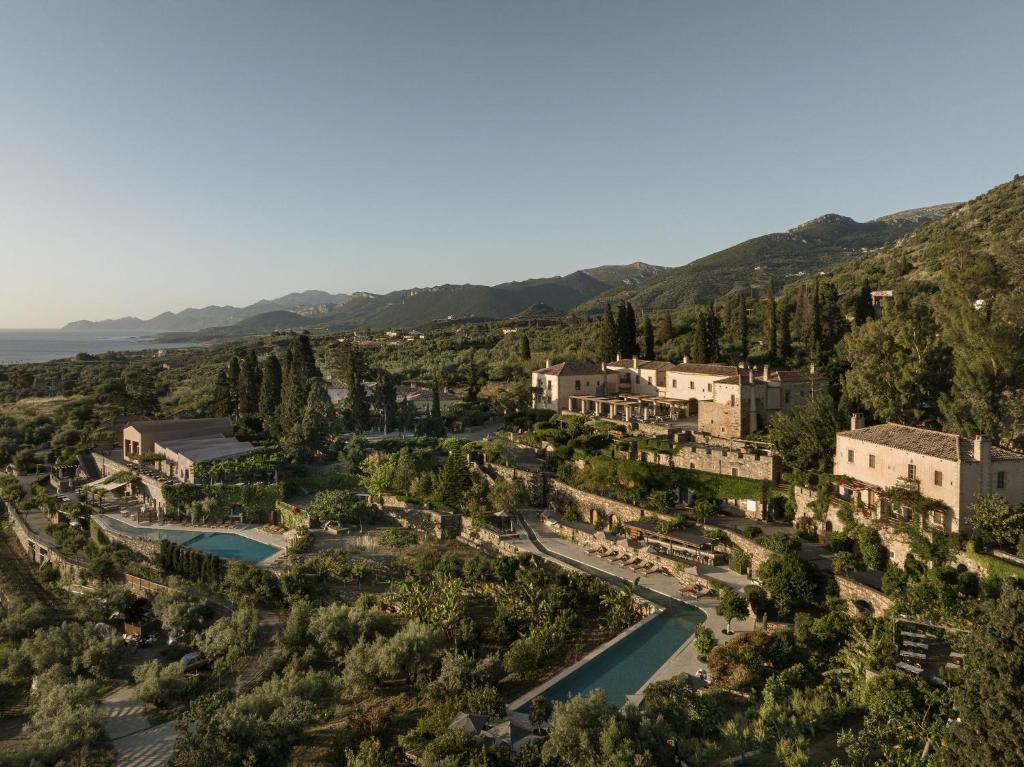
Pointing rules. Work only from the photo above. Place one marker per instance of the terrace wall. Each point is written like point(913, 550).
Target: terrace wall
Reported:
point(149, 549)
point(42, 551)
point(719, 460)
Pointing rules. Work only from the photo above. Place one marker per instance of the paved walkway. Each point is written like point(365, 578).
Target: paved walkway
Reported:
point(684, 660)
point(138, 744)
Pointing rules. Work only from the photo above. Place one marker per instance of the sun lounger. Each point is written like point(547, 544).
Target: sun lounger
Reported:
point(916, 645)
point(909, 668)
point(914, 655)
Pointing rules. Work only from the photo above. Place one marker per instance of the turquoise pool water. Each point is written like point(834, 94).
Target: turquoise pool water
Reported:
point(624, 667)
point(226, 545)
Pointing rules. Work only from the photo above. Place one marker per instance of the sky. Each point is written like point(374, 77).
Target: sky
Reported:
point(155, 156)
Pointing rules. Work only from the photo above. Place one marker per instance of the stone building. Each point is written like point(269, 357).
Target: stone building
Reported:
point(881, 468)
point(727, 401)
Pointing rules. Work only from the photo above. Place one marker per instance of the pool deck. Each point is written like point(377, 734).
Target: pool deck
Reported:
point(684, 660)
point(252, 532)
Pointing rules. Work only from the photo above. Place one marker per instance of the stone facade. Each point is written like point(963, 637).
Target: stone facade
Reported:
point(735, 462)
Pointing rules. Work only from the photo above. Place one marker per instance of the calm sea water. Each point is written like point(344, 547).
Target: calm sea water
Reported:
point(43, 345)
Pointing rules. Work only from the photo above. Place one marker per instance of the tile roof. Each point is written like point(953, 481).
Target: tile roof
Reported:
point(914, 439)
point(706, 368)
point(571, 369)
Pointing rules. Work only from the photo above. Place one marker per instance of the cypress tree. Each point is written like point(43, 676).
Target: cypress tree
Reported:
point(223, 402)
point(249, 385)
point(455, 480)
point(699, 340)
point(744, 328)
point(524, 347)
point(631, 330)
point(234, 374)
point(863, 308)
point(648, 338)
point(785, 337)
point(665, 330)
point(270, 391)
point(319, 417)
point(623, 346)
point(771, 336)
point(814, 338)
point(608, 338)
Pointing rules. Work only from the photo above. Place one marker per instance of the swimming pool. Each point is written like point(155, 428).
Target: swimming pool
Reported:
point(226, 545)
point(623, 668)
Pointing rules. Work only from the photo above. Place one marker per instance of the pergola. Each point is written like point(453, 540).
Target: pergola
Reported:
point(627, 407)
point(679, 542)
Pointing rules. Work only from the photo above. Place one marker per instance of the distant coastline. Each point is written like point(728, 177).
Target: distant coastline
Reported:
point(24, 345)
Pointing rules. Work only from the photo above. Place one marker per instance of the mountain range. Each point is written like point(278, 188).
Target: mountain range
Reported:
point(821, 244)
point(308, 303)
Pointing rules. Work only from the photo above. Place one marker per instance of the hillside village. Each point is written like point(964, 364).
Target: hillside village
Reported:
point(782, 526)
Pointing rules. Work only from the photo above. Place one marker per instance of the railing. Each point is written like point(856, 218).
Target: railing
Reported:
point(908, 483)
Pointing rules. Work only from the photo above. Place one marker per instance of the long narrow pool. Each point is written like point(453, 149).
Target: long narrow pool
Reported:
point(226, 545)
point(623, 668)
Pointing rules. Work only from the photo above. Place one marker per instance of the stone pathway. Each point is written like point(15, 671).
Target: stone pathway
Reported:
point(138, 744)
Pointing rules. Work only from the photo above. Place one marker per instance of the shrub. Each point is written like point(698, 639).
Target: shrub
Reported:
point(398, 538)
point(704, 641)
point(739, 561)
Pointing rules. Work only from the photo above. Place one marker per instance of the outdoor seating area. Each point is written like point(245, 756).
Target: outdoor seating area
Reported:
point(923, 649)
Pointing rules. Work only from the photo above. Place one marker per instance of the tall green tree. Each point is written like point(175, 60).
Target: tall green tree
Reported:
point(806, 437)
point(988, 727)
point(319, 421)
point(249, 385)
point(898, 366)
point(524, 347)
point(863, 306)
point(648, 338)
point(270, 391)
point(385, 396)
point(744, 327)
point(771, 323)
point(223, 404)
point(454, 480)
point(666, 332)
point(608, 336)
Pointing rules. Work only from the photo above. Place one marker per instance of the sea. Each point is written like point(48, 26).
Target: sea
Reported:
point(44, 345)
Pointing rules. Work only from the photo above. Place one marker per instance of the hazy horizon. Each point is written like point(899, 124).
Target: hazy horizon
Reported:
point(159, 157)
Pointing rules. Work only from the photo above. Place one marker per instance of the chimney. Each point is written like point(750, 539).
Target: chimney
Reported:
point(767, 371)
point(547, 363)
point(982, 448)
point(750, 375)
point(636, 363)
point(686, 360)
point(604, 366)
point(856, 421)
point(618, 358)
point(812, 369)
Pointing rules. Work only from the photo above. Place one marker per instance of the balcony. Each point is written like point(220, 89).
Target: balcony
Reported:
point(909, 483)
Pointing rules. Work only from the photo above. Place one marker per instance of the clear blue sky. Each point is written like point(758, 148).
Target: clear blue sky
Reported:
point(161, 155)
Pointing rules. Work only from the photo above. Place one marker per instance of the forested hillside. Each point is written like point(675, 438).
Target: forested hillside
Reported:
point(817, 245)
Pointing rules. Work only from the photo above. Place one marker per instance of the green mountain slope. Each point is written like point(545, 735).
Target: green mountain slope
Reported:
point(992, 223)
point(817, 245)
point(406, 308)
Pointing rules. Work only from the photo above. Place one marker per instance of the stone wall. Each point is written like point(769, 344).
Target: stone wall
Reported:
point(149, 549)
point(42, 551)
point(897, 543)
point(719, 460)
point(440, 524)
point(687, 576)
point(596, 507)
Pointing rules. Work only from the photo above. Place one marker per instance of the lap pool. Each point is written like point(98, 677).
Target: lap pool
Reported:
point(226, 545)
point(623, 668)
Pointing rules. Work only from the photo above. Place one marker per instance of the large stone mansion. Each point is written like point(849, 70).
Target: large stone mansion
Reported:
point(725, 401)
